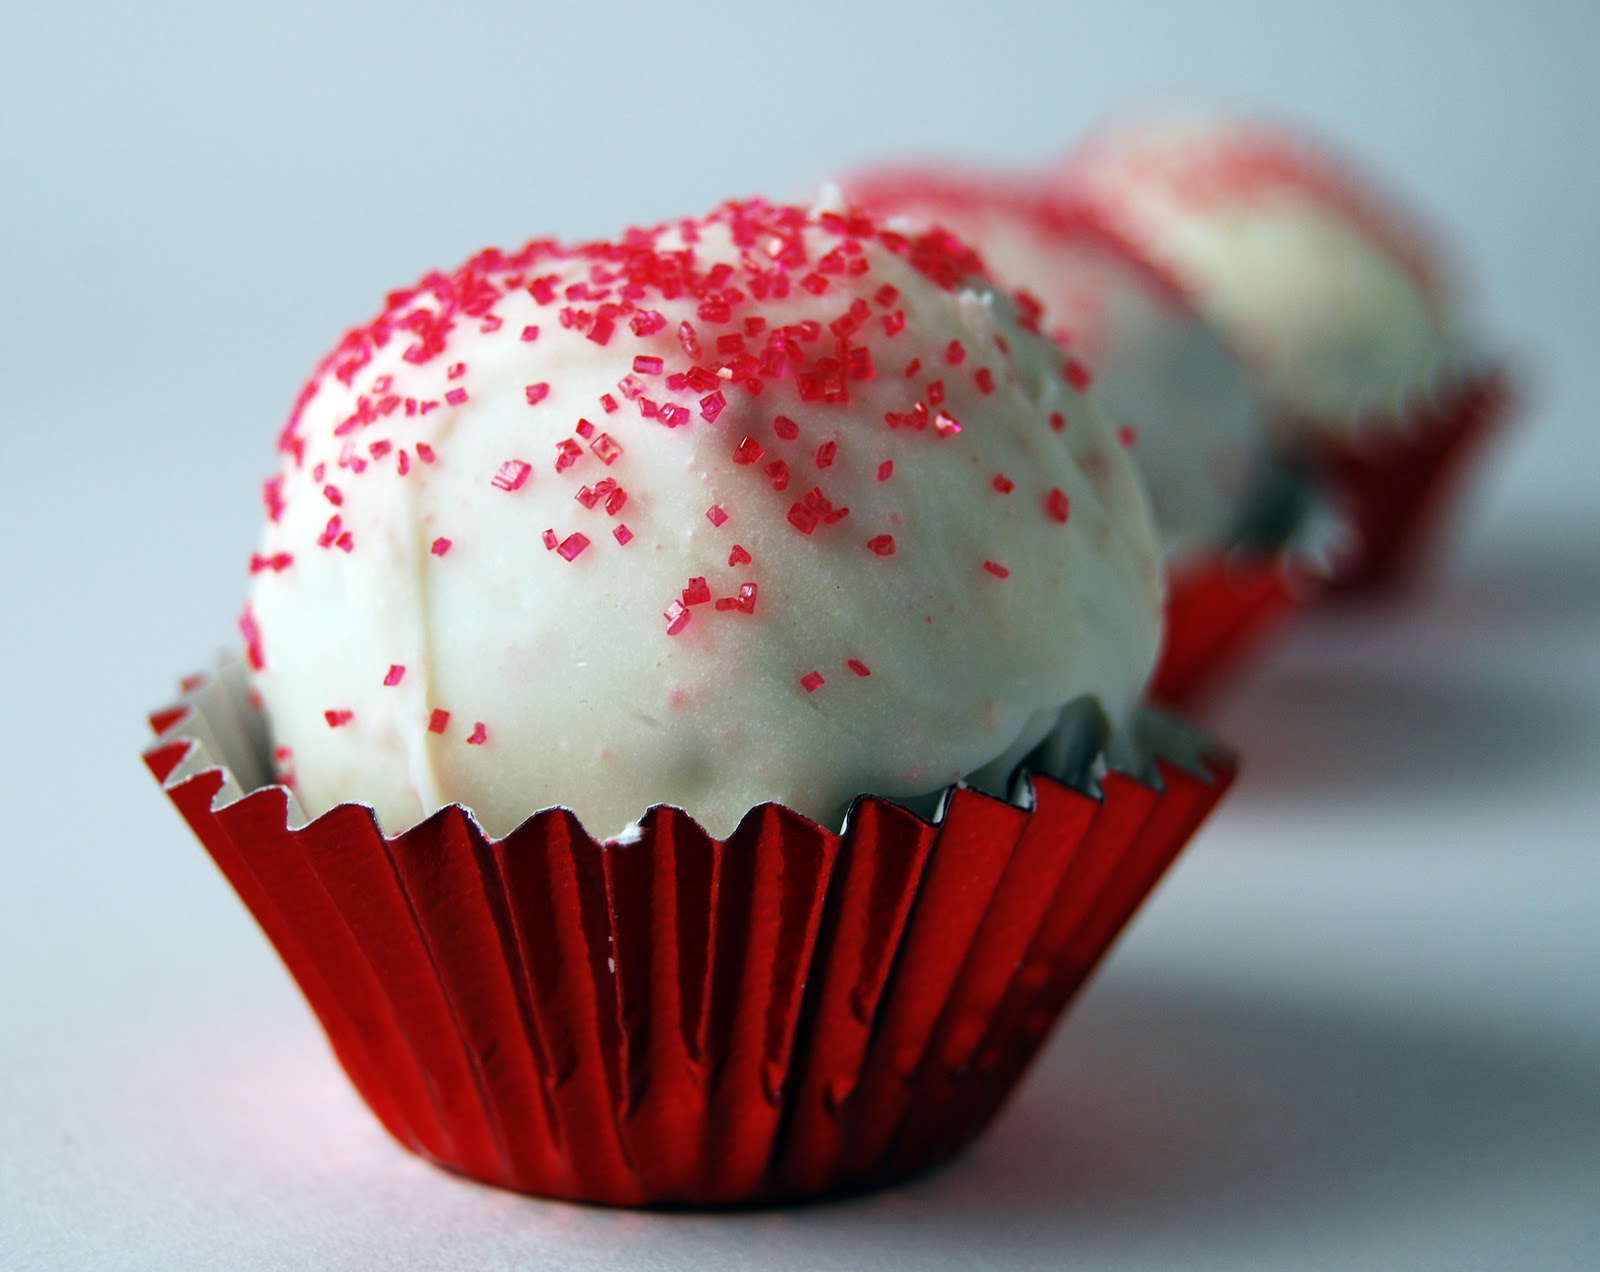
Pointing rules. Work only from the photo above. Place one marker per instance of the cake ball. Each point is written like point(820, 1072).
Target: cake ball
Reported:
point(1173, 388)
point(775, 504)
point(1312, 274)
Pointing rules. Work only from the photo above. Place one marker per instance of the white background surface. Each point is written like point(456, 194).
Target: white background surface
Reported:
point(1359, 1026)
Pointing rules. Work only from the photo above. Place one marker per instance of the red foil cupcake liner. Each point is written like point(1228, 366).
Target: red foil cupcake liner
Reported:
point(1221, 610)
point(1397, 482)
point(674, 1019)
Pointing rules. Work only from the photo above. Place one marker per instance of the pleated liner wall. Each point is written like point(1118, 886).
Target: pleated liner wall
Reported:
point(679, 1020)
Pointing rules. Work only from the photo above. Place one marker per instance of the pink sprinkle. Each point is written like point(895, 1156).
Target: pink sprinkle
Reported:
point(715, 515)
point(1003, 484)
point(530, 334)
point(886, 470)
point(584, 429)
point(548, 538)
point(1077, 375)
point(748, 451)
point(645, 364)
point(479, 736)
point(608, 404)
point(673, 415)
point(1127, 436)
point(338, 717)
point(622, 534)
point(996, 569)
point(812, 681)
point(711, 406)
point(600, 333)
point(536, 393)
point(277, 562)
point(568, 453)
point(511, 475)
point(686, 338)
point(402, 462)
point(738, 556)
point(677, 614)
point(606, 447)
point(397, 673)
point(457, 369)
point(882, 544)
point(333, 495)
point(331, 532)
point(826, 453)
point(857, 666)
point(439, 721)
point(425, 452)
point(698, 592)
point(441, 545)
point(380, 448)
point(456, 397)
point(1057, 506)
point(572, 545)
point(786, 428)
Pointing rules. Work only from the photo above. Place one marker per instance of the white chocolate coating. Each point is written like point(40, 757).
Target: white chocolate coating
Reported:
point(1022, 573)
point(1162, 372)
point(1315, 282)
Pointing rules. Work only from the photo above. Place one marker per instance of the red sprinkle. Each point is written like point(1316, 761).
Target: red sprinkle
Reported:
point(886, 470)
point(530, 334)
point(511, 475)
point(1127, 436)
point(568, 453)
point(606, 447)
point(857, 666)
point(786, 428)
point(441, 545)
point(572, 545)
point(1058, 422)
point(748, 451)
point(479, 736)
point(779, 472)
point(333, 495)
point(711, 406)
point(826, 453)
point(338, 717)
point(548, 538)
point(882, 544)
point(425, 452)
point(946, 425)
point(812, 681)
point(954, 353)
point(397, 673)
point(645, 364)
point(738, 556)
point(583, 429)
point(715, 515)
point(622, 534)
point(984, 378)
point(1077, 375)
point(996, 569)
point(536, 393)
point(1057, 506)
point(698, 592)
point(803, 518)
point(600, 333)
point(1003, 484)
point(456, 397)
point(677, 614)
point(439, 721)
point(456, 371)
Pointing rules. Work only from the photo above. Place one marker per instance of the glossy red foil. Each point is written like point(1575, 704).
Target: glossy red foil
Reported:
point(1221, 609)
point(1396, 483)
point(679, 1020)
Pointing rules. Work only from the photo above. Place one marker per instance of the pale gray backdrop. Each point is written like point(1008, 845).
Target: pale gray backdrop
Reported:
point(1358, 1027)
